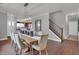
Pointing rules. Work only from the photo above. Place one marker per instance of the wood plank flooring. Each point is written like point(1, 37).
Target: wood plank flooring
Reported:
point(68, 47)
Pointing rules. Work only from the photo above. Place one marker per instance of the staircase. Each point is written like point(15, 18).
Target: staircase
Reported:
point(58, 31)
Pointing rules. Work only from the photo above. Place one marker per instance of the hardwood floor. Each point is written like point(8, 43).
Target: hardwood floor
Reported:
point(6, 48)
point(73, 37)
point(68, 47)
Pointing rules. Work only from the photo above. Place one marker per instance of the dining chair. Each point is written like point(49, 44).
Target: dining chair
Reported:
point(41, 44)
point(13, 40)
point(19, 44)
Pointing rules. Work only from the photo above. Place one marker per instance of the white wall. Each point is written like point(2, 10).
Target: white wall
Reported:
point(59, 18)
point(3, 25)
point(11, 23)
point(5, 20)
point(44, 19)
point(45, 26)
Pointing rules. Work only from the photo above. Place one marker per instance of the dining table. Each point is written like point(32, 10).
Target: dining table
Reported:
point(30, 40)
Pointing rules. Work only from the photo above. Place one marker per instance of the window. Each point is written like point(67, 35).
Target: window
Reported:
point(20, 25)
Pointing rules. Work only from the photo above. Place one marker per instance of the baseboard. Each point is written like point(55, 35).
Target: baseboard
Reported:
point(58, 40)
point(3, 39)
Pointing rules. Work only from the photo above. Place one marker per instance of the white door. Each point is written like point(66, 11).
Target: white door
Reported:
point(73, 27)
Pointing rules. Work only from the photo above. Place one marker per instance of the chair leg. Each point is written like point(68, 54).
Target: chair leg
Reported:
point(17, 51)
point(46, 51)
point(12, 42)
point(15, 46)
point(30, 47)
point(39, 52)
point(32, 51)
point(20, 51)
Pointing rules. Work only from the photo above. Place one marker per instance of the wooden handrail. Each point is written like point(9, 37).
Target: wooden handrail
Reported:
point(56, 29)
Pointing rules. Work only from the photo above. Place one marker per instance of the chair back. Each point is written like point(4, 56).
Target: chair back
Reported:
point(43, 41)
point(18, 41)
point(13, 37)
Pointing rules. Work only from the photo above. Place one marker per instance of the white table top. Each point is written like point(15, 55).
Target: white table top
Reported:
point(34, 37)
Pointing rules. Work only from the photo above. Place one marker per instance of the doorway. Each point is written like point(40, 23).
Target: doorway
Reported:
point(73, 27)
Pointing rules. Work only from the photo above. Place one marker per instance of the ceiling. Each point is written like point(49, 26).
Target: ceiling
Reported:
point(34, 9)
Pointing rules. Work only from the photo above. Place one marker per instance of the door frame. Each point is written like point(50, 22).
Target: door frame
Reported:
point(67, 22)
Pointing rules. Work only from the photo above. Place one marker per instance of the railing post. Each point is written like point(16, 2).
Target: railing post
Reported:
point(61, 35)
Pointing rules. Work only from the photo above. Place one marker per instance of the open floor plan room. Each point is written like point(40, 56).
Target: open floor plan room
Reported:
point(39, 28)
